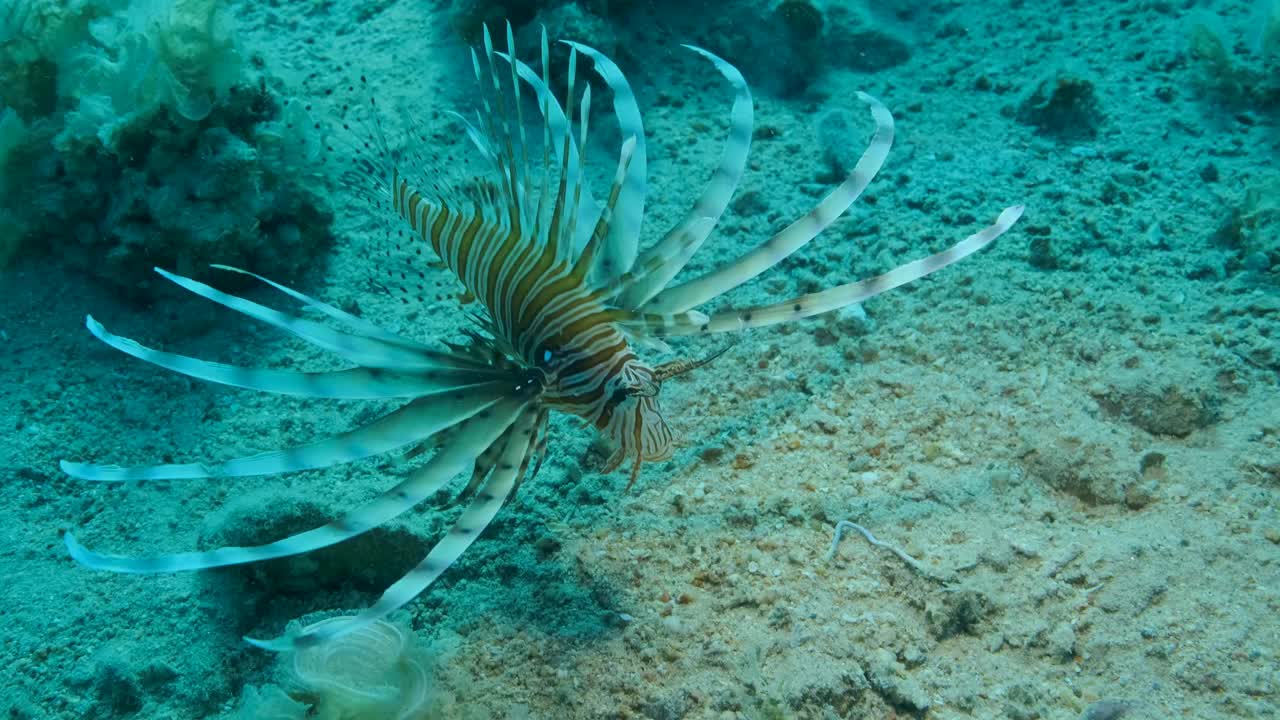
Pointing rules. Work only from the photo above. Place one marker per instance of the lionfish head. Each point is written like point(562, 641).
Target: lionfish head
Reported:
point(633, 419)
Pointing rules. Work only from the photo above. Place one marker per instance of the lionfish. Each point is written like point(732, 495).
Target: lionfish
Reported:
point(567, 301)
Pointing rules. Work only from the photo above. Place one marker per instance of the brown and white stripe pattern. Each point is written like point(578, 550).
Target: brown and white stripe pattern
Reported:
point(567, 299)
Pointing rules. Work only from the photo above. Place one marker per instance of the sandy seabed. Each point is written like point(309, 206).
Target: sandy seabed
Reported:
point(1075, 433)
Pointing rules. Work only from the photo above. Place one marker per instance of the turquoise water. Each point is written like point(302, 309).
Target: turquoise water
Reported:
point(1060, 454)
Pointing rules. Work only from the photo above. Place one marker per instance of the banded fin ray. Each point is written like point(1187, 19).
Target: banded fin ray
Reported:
point(359, 383)
point(358, 349)
point(695, 323)
point(618, 252)
point(511, 465)
point(794, 236)
point(416, 421)
point(666, 258)
point(469, 438)
point(558, 129)
point(358, 324)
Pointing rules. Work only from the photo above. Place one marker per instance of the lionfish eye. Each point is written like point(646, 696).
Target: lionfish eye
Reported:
point(619, 395)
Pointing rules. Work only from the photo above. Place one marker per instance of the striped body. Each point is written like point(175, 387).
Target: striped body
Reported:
point(568, 300)
point(546, 314)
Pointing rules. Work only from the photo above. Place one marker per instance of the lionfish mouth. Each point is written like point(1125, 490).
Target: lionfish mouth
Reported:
point(554, 269)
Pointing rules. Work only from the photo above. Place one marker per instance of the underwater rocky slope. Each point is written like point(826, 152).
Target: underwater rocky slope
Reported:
point(1075, 433)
